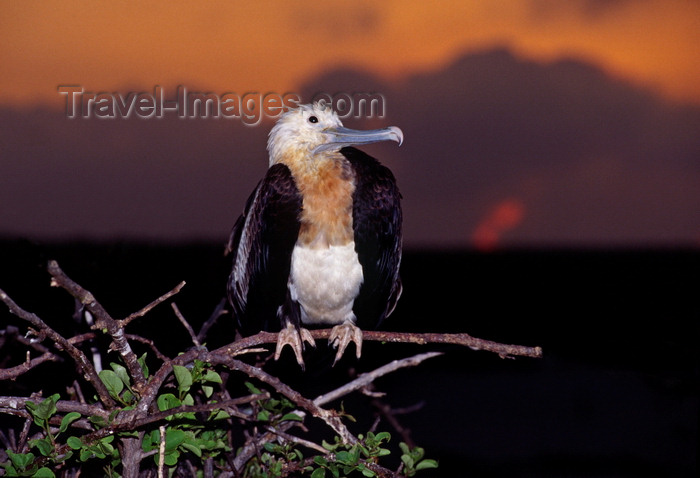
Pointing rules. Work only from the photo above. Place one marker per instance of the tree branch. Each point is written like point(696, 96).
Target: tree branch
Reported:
point(503, 350)
point(125, 321)
point(103, 321)
point(366, 378)
point(17, 370)
point(78, 356)
point(331, 419)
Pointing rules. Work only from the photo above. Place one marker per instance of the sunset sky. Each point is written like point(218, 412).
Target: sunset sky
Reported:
point(648, 46)
point(277, 45)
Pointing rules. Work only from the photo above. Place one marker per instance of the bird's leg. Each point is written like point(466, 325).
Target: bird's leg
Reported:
point(295, 338)
point(342, 335)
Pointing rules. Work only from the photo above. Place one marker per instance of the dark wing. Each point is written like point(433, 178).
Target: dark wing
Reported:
point(377, 226)
point(262, 241)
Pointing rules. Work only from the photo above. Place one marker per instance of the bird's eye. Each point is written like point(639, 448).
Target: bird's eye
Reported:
point(313, 119)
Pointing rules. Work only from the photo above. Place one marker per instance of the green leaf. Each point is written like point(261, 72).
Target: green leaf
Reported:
point(291, 417)
point(328, 446)
point(44, 410)
point(150, 441)
point(381, 436)
point(219, 415)
point(319, 473)
point(272, 447)
point(173, 439)
point(263, 416)
point(113, 383)
point(208, 390)
point(43, 472)
point(188, 399)
point(74, 443)
point(183, 377)
point(128, 397)
point(20, 460)
point(252, 388)
point(67, 420)
point(142, 363)
point(168, 401)
point(121, 372)
point(212, 377)
point(85, 454)
point(417, 453)
point(426, 464)
point(192, 448)
point(367, 472)
point(44, 445)
point(345, 457)
point(171, 458)
point(98, 421)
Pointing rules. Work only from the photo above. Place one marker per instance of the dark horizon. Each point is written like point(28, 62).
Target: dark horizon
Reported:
point(616, 392)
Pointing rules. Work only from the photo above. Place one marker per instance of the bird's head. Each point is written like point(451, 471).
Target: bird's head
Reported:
point(315, 128)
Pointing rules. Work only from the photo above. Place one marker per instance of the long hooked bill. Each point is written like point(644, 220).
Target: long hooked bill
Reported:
point(341, 136)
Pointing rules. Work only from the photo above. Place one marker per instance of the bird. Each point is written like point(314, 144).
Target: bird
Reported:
point(319, 243)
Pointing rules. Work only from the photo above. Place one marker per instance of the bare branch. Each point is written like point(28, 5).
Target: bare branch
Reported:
point(16, 371)
point(79, 357)
point(219, 310)
point(149, 342)
point(63, 406)
point(124, 322)
point(103, 321)
point(12, 332)
point(503, 350)
point(161, 452)
point(331, 418)
point(186, 324)
point(307, 443)
point(366, 378)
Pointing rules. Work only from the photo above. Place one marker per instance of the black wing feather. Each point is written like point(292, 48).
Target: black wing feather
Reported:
point(377, 219)
point(262, 241)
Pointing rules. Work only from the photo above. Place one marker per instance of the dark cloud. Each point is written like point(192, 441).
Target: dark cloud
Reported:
point(546, 10)
point(592, 160)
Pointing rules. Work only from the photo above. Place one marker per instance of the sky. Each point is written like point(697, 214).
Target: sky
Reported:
point(527, 122)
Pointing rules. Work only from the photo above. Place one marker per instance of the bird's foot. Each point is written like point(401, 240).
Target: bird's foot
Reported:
point(342, 335)
point(295, 338)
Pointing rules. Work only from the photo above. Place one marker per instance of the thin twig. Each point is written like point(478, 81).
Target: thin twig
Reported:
point(389, 415)
point(161, 452)
point(149, 342)
point(219, 310)
point(331, 419)
point(186, 324)
point(295, 439)
point(102, 321)
point(367, 378)
point(125, 321)
point(14, 372)
point(12, 332)
point(78, 356)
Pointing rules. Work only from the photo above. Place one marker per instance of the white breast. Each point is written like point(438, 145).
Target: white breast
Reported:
point(325, 282)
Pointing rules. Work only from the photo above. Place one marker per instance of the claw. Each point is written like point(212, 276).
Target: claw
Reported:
point(342, 335)
point(295, 338)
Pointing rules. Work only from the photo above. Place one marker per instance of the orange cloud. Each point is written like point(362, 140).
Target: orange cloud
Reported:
point(277, 45)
